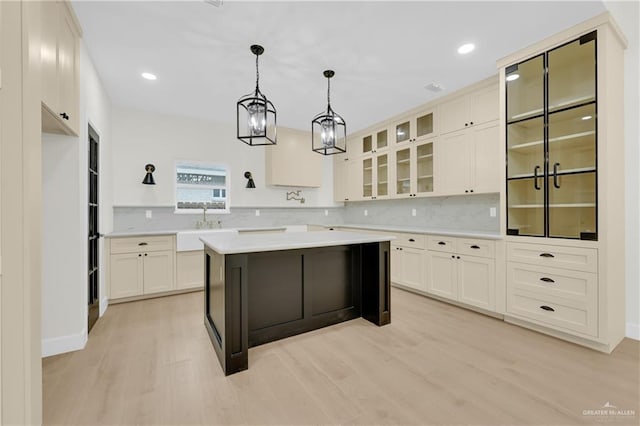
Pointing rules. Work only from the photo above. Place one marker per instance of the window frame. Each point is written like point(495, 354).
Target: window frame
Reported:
point(205, 165)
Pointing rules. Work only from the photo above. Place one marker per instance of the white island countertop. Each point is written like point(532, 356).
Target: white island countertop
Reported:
point(238, 243)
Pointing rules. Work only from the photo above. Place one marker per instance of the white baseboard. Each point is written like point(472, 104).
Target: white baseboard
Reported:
point(104, 303)
point(60, 345)
point(633, 331)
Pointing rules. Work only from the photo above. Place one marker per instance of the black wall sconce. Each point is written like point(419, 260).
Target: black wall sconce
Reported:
point(250, 182)
point(148, 178)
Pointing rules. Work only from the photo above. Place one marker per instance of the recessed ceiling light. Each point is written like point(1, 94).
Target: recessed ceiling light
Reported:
point(512, 77)
point(434, 87)
point(466, 48)
point(149, 76)
point(586, 117)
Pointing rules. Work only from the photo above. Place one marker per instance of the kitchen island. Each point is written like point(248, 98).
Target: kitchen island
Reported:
point(261, 288)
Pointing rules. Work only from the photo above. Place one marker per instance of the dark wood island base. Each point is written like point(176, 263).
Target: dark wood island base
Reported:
point(255, 298)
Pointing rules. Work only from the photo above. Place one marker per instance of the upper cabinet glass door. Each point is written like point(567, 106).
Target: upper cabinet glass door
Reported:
point(526, 148)
point(572, 139)
point(381, 139)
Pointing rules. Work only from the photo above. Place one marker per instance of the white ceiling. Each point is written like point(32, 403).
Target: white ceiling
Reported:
point(383, 53)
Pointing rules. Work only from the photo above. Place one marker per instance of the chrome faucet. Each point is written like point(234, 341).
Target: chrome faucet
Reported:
point(204, 223)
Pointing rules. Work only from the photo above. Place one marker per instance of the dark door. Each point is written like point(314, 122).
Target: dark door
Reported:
point(93, 276)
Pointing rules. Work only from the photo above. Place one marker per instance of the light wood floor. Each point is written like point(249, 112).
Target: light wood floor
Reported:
point(151, 362)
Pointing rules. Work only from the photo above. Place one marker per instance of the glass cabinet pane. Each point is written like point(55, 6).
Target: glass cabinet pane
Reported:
point(403, 171)
point(367, 143)
point(403, 131)
point(424, 125)
point(572, 73)
point(525, 207)
point(525, 147)
point(383, 175)
point(367, 177)
point(525, 89)
point(572, 205)
point(381, 139)
point(424, 156)
point(572, 140)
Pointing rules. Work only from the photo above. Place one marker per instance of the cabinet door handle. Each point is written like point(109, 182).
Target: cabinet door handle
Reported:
point(475, 247)
point(457, 257)
point(471, 190)
point(139, 255)
point(546, 255)
point(547, 280)
point(466, 191)
point(556, 182)
point(466, 124)
point(145, 254)
point(547, 308)
point(412, 240)
point(471, 123)
point(442, 243)
point(142, 244)
point(535, 178)
point(453, 257)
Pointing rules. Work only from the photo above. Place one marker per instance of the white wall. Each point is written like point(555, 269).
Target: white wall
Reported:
point(64, 175)
point(143, 137)
point(627, 15)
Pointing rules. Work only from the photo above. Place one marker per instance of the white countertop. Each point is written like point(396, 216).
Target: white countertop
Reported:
point(239, 243)
point(413, 230)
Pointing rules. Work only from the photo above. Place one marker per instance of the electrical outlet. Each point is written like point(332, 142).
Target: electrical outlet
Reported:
point(148, 214)
point(326, 212)
point(257, 212)
point(492, 211)
point(366, 212)
point(413, 212)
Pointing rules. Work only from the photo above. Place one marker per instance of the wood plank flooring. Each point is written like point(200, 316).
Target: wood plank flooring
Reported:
point(151, 362)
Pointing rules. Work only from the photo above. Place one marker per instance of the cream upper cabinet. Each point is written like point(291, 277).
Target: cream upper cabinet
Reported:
point(467, 161)
point(291, 162)
point(340, 180)
point(374, 142)
point(413, 172)
point(414, 128)
point(375, 176)
point(60, 53)
point(347, 179)
point(478, 107)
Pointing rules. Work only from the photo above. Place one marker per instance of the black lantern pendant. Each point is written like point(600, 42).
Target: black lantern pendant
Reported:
point(256, 114)
point(148, 178)
point(328, 129)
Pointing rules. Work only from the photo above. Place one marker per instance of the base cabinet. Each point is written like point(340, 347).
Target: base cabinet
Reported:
point(189, 270)
point(408, 267)
point(141, 265)
point(442, 275)
point(476, 281)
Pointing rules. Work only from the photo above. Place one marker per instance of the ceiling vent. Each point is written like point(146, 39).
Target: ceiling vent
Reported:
point(434, 87)
point(216, 3)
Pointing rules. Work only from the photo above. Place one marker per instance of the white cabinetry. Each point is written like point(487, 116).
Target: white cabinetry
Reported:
point(466, 161)
point(478, 107)
point(141, 266)
point(190, 270)
point(463, 270)
point(292, 162)
point(60, 56)
point(407, 261)
point(347, 179)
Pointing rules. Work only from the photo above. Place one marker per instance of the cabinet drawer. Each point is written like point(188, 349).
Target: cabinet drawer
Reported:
point(574, 285)
point(482, 248)
point(575, 258)
point(141, 244)
point(559, 313)
point(437, 243)
point(410, 240)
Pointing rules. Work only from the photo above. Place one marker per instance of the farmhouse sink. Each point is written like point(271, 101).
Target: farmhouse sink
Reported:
point(190, 240)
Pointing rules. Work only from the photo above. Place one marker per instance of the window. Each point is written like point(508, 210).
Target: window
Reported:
point(201, 185)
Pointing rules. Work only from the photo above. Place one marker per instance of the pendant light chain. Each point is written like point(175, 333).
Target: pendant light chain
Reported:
point(257, 74)
point(329, 93)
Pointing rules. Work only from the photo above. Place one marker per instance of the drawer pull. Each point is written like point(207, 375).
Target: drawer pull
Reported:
point(442, 243)
point(547, 308)
point(547, 280)
point(475, 247)
point(546, 255)
point(411, 240)
point(142, 244)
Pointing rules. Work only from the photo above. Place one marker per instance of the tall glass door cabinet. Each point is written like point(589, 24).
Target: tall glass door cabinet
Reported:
point(552, 168)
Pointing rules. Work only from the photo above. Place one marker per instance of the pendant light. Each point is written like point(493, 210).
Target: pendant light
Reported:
point(148, 178)
point(328, 129)
point(256, 114)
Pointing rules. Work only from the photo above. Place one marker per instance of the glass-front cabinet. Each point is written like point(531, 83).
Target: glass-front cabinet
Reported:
point(375, 142)
point(551, 143)
point(414, 169)
point(414, 129)
point(375, 176)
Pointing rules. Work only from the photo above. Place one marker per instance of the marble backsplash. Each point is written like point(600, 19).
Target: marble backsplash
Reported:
point(471, 213)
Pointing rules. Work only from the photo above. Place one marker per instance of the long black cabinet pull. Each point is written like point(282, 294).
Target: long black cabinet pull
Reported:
point(535, 178)
point(142, 244)
point(556, 183)
point(546, 255)
point(547, 308)
point(475, 247)
point(412, 240)
point(547, 280)
point(442, 243)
